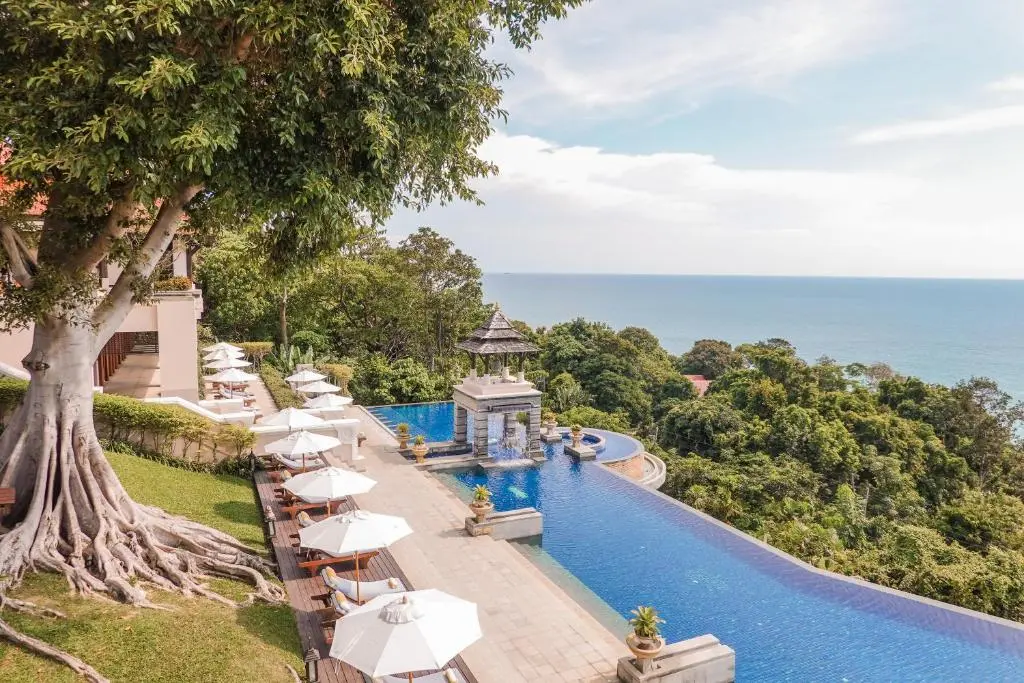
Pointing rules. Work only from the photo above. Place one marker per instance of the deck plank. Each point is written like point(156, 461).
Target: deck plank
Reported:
point(302, 588)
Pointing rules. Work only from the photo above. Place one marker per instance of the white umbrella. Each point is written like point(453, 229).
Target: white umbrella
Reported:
point(221, 354)
point(233, 376)
point(292, 418)
point(328, 484)
point(222, 346)
point(319, 388)
point(302, 443)
point(404, 632)
point(328, 401)
point(353, 533)
point(226, 363)
point(305, 376)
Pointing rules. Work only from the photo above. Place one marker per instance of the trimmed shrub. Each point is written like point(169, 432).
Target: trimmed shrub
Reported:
point(339, 373)
point(256, 351)
point(150, 429)
point(283, 395)
point(173, 284)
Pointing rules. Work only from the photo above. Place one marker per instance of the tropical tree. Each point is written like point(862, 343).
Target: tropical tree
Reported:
point(312, 119)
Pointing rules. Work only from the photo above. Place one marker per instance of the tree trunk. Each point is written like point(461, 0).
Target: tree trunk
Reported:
point(73, 516)
point(282, 315)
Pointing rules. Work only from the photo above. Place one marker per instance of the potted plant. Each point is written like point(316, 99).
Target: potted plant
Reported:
point(577, 435)
point(402, 431)
point(549, 420)
point(419, 448)
point(481, 505)
point(645, 642)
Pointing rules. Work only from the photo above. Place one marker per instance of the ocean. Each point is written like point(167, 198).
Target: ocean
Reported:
point(938, 330)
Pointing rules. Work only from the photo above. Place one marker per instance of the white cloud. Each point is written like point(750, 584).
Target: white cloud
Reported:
point(1008, 84)
point(583, 209)
point(611, 53)
point(977, 121)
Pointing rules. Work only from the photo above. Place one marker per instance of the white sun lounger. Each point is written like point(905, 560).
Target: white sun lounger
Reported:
point(367, 589)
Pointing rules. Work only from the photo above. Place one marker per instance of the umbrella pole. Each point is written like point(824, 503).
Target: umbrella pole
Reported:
point(357, 577)
point(410, 677)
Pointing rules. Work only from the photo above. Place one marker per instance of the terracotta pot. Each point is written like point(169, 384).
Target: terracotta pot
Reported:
point(577, 437)
point(644, 648)
point(420, 451)
point(481, 510)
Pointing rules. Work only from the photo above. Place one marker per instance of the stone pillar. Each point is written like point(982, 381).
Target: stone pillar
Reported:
point(533, 432)
point(480, 433)
point(461, 416)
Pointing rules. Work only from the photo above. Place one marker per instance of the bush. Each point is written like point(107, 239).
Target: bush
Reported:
point(256, 351)
point(598, 419)
point(173, 284)
point(151, 429)
point(318, 344)
point(283, 395)
point(339, 373)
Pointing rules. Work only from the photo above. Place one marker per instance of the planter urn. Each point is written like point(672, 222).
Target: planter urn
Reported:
point(420, 450)
point(644, 649)
point(577, 437)
point(481, 509)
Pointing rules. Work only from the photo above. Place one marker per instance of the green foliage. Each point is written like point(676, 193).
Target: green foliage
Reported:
point(287, 358)
point(256, 350)
point(481, 494)
point(598, 419)
point(378, 382)
point(338, 373)
point(311, 120)
point(645, 622)
point(152, 429)
point(709, 357)
point(283, 395)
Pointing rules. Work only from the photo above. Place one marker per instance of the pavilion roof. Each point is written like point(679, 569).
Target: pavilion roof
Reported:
point(497, 336)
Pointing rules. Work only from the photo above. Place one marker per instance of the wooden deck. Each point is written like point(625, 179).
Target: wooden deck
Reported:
point(302, 588)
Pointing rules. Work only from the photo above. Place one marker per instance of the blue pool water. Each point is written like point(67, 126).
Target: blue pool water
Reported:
point(435, 421)
point(632, 546)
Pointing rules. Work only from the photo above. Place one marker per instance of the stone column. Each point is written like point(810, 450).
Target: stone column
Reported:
point(533, 432)
point(460, 424)
point(480, 433)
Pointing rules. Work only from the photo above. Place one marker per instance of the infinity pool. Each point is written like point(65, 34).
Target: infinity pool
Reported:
point(786, 621)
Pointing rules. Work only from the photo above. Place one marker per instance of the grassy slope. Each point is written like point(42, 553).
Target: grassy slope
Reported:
point(198, 640)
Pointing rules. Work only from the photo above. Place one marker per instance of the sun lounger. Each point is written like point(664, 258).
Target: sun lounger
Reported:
point(446, 676)
point(325, 559)
point(367, 589)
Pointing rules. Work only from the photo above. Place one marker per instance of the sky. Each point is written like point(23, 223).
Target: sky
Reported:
point(757, 137)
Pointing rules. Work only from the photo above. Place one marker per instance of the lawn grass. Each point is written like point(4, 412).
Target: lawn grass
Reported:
point(198, 640)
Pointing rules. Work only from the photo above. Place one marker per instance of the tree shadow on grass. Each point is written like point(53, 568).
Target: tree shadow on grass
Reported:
point(273, 624)
point(238, 511)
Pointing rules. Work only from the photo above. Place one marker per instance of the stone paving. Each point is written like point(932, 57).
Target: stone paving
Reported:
point(533, 631)
point(138, 376)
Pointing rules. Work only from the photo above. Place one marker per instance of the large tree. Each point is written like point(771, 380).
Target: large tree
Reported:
point(313, 117)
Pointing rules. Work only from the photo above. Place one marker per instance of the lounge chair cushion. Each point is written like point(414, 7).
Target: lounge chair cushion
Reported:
point(304, 519)
point(447, 676)
point(286, 475)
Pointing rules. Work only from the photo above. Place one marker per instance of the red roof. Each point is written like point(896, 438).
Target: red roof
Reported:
point(39, 206)
point(700, 382)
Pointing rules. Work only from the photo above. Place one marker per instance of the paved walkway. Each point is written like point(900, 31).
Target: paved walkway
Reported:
point(533, 631)
point(138, 376)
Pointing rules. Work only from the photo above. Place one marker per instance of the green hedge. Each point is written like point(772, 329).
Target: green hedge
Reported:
point(283, 395)
point(149, 427)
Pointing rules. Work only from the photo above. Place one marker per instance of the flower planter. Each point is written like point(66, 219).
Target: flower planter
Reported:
point(420, 450)
point(481, 510)
point(644, 648)
point(577, 438)
point(403, 442)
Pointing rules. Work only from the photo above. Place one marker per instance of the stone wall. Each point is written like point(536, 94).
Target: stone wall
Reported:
point(631, 467)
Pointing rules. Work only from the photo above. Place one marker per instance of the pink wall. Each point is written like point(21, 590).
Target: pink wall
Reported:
point(179, 344)
point(14, 346)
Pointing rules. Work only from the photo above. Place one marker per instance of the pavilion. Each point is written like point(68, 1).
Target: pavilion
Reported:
point(496, 391)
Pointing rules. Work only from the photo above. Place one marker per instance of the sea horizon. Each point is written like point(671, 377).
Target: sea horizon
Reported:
point(939, 329)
